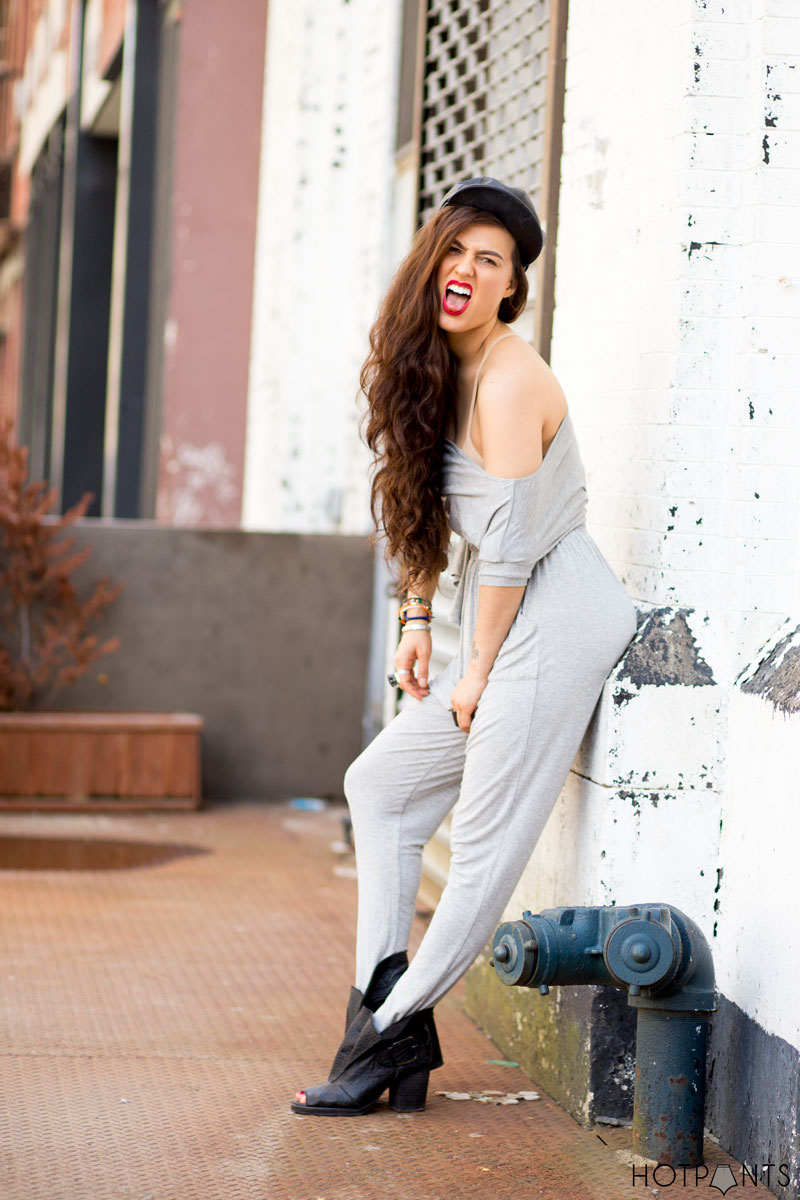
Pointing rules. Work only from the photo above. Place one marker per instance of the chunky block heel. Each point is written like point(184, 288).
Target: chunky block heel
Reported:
point(408, 1094)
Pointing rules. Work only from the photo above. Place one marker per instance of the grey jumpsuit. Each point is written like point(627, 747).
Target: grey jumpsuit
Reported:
point(504, 776)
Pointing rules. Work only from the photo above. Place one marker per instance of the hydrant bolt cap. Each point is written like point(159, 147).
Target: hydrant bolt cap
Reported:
point(514, 953)
point(640, 952)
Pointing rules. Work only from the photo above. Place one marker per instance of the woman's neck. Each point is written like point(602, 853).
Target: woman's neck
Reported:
point(469, 345)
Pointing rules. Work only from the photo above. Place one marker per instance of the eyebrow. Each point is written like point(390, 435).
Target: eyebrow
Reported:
point(494, 253)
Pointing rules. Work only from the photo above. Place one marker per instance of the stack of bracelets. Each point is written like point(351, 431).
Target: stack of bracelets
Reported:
point(415, 624)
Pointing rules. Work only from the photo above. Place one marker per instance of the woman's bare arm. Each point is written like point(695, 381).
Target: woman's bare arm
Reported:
point(414, 650)
point(497, 608)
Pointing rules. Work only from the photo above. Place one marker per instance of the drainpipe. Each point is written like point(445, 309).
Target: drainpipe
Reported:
point(663, 960)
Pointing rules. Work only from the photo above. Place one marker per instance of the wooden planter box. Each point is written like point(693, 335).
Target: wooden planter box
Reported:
point(99, 762)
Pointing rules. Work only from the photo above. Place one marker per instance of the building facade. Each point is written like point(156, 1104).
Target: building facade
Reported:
point(131, 134)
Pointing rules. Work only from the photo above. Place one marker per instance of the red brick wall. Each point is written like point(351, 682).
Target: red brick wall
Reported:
point(214, 210)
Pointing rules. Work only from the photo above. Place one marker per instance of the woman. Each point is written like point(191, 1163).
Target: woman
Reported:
point(471, 433)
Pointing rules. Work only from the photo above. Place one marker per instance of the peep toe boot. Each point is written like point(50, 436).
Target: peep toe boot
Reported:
point(400, 1059)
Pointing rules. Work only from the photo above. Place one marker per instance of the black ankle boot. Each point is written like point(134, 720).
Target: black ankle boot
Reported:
point(405, 1096)
point(400, 1059)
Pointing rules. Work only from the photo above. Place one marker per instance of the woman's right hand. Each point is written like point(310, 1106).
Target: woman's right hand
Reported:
point(413, 651)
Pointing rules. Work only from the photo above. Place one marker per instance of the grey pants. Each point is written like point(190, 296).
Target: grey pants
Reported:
point(501, 779)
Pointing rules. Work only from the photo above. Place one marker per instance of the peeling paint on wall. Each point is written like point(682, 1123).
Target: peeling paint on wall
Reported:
point(695, 246)
point(664, 652)
point(777, 677)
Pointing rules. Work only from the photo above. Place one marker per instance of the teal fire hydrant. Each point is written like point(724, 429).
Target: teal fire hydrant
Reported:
point(664, 961)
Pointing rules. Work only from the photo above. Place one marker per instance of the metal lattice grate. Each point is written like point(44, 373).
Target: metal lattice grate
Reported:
point(485, 93)
point(517, 92)
point(455, 98)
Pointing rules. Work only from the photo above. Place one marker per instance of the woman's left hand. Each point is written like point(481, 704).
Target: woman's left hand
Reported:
point(465, 696)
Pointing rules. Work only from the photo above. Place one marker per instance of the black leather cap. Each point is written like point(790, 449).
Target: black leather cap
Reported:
point(512, 205)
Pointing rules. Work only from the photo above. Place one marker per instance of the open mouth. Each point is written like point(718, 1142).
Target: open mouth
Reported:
point(456, 297)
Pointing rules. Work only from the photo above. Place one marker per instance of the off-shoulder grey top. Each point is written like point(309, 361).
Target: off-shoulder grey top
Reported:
point(508, 525)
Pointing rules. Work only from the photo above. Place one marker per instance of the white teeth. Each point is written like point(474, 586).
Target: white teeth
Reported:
point(460, 291)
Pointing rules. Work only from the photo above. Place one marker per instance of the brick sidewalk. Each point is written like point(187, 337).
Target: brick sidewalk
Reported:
point(163, 998)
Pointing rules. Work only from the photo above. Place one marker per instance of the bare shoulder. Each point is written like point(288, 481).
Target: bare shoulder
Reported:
point(519, 407)
point(515, 364)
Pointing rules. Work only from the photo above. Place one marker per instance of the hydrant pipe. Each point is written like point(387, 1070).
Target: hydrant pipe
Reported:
point(663, 960)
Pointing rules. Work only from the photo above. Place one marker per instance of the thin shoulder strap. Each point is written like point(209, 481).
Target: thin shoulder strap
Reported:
point(508, 333)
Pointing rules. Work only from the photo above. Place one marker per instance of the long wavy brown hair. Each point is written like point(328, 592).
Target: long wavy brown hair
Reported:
point(409, 380)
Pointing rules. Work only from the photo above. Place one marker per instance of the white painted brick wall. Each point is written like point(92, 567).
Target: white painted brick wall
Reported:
point(675, 338)
point(677, 292)
point(321, 258)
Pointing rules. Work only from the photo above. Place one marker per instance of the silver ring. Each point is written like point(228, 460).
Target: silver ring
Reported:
point(402, 671)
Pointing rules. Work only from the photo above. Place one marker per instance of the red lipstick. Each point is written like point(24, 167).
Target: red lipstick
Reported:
point(457, 296)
